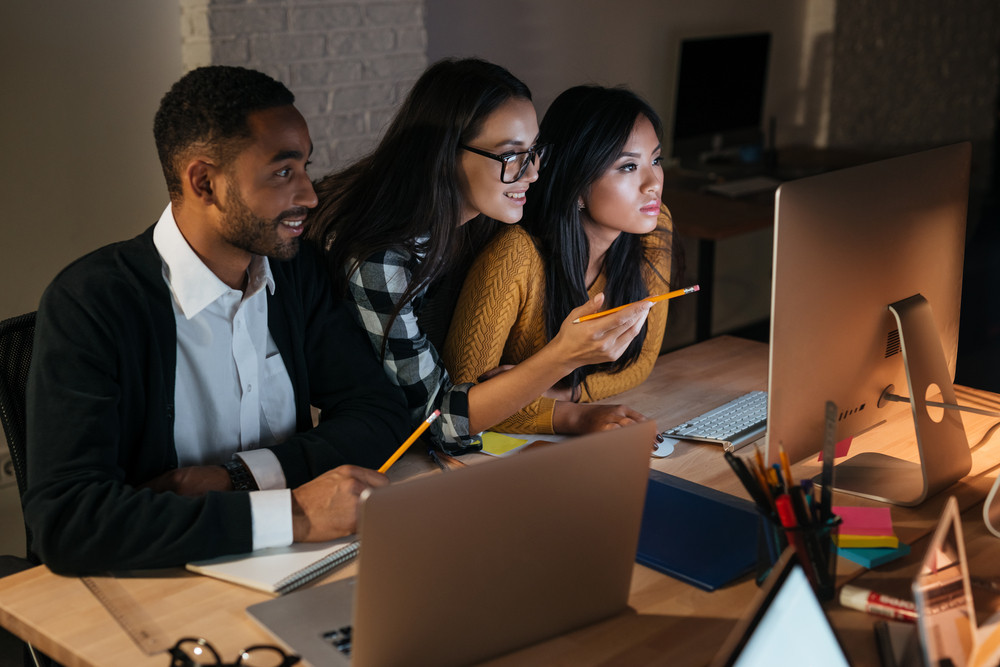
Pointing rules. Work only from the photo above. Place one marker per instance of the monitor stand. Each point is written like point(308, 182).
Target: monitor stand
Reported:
point(942, 444)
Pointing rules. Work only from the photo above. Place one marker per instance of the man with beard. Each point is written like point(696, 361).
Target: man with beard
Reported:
point(169, 396)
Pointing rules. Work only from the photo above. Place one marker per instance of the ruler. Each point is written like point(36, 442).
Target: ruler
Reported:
point(129, 614)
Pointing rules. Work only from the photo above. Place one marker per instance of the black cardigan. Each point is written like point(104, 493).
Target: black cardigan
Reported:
point(101, 413)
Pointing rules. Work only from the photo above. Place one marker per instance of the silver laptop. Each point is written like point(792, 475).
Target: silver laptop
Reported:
point(476, 562)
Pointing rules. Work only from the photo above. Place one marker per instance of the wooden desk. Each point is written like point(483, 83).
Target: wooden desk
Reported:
point(669, 622)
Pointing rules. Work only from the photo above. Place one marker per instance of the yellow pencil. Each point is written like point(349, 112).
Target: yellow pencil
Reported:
point(654, 299)
point(758, 457)
point(786, 467)
point(409, 441)
point(765, 487)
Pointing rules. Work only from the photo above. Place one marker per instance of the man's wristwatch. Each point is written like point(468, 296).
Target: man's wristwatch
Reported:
point(239, 475)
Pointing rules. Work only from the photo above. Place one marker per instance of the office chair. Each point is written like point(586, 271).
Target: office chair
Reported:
point(16, 338)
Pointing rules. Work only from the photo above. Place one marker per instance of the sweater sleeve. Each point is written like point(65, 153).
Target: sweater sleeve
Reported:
point(498, 321)
point(657, 274)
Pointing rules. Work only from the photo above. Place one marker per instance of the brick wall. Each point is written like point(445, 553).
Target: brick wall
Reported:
point(917, 73)
point(349, 62)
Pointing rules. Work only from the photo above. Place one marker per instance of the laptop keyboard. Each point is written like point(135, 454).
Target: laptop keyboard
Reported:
point(340, 639)
point(732, 425)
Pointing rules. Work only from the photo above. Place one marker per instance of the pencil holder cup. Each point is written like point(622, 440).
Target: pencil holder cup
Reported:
point(815, 547)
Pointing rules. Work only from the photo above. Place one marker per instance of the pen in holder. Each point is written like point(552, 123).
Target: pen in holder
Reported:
point(790, 515)
point(815, 547)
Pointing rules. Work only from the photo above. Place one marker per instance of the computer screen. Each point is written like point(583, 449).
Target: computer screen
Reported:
point(847, 244)
point(719, 104)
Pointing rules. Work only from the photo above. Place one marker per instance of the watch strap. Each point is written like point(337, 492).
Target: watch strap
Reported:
point(240, 476)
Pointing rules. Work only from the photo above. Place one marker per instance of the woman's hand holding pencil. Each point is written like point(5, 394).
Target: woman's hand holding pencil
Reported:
point(596, 342)
point(652, 299)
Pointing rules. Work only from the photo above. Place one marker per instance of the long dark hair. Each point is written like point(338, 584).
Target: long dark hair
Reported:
point(405, 194)
point(587, 128)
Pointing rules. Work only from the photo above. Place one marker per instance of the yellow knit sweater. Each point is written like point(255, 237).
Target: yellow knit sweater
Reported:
point(499, 319)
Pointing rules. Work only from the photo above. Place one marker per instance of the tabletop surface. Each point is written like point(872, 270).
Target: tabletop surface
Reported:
point(668, 622)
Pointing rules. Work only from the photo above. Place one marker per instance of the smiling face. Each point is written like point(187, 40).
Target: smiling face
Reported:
point(626, 197)
point(267, 190)
point(513, 126)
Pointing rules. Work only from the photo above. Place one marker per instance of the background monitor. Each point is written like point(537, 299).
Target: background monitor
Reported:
point(846, 245)
point(719, 103)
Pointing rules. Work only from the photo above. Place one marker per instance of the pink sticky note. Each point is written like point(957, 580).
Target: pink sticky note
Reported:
point(864, 520)
point(840, 449)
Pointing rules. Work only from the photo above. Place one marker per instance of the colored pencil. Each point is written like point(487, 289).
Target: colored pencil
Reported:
point(654, 299)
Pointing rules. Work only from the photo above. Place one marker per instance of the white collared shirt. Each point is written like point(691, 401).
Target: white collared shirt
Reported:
point(233, 394)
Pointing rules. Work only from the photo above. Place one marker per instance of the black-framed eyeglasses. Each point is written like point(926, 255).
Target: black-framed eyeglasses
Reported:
point(197, 652)
point(517, 161)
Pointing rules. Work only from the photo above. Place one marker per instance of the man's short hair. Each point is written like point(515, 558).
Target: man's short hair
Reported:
point(207, 109)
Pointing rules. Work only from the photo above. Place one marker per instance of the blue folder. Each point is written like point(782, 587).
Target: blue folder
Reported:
point(701, 536)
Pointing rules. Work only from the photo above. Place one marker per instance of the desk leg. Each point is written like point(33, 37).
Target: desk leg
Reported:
point(706, 278)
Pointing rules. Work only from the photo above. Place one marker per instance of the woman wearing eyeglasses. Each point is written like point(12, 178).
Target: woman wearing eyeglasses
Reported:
point(594, 224)
point(461, 153)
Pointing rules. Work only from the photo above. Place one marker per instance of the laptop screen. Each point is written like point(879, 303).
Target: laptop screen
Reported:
point(794, 630)
point(785, 625)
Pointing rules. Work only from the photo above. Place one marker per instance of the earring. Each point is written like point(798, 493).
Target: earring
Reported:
point(580, 205)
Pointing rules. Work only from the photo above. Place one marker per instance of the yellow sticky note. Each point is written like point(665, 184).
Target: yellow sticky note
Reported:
point(499, 444)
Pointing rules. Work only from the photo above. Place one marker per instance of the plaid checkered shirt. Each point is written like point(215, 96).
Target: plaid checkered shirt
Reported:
point(410, 360)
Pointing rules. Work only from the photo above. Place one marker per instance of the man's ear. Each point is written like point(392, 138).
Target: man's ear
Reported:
point(200, 178)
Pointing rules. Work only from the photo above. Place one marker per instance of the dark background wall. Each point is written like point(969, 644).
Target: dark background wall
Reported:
point(917, 73)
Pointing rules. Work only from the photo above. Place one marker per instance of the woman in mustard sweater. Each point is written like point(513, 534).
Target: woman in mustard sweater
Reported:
point(597, 225)
point(460, 156)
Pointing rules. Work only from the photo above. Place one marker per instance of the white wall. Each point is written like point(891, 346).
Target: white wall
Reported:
point(555, 44)
point(79, 167)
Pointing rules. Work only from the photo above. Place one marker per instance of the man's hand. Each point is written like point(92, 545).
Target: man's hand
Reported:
point(576, 418)
point(327, 507)
point(191, 481)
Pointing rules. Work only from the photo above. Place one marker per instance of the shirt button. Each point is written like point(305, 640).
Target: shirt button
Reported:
point(249, 388)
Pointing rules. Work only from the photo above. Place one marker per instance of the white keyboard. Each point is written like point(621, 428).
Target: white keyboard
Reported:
point(732, 425)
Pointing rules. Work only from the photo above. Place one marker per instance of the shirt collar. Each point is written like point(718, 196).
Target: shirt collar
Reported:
point(193, 284)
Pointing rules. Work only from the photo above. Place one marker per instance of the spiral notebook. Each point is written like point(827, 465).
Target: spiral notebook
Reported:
point(280, 569)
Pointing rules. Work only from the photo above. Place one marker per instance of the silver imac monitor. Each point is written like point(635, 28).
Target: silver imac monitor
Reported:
point(865, 302)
